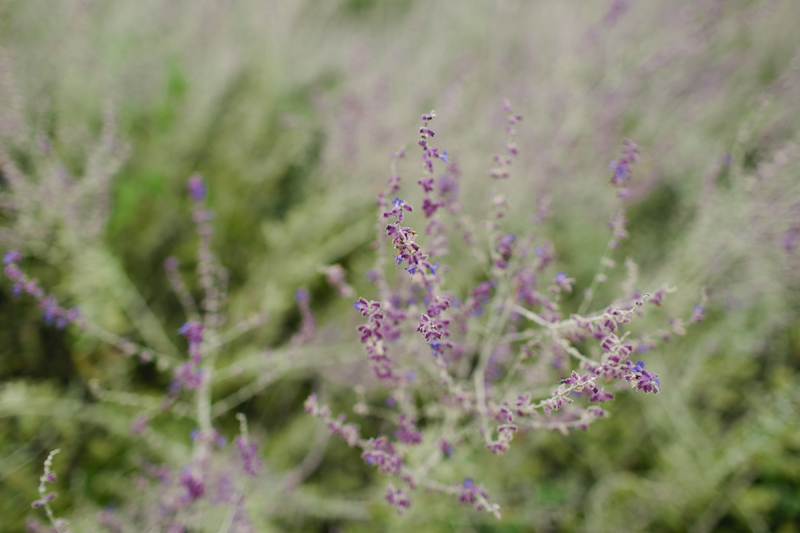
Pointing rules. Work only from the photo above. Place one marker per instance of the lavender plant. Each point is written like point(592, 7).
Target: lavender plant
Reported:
point(465, 370)
point(714, 203)
point(208, 491)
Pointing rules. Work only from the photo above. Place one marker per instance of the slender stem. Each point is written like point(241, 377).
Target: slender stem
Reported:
point(48, 511)
point(226, 524)
point(495, 330)
point(589, 294)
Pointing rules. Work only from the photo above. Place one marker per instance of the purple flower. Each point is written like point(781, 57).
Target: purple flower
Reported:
point(251, 463)
point(447, 448)
point(564, 281)
point(698, 313)
point(12, 256)
point(505, 248)
point(426, 183)
point(397, 202)
point(192, 331)
point(197, 188)
point(188, 376)
point(194, 487)
point(380, 452)
point(443, 157)
point(790, 239)
point(430, 206)
point(408, 433)
point(301, 295)
point(398, 498)
point(171, 263)
point(622, 168)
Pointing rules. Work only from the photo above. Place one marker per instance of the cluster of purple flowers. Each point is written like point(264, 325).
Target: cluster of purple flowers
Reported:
point(348, 432)
point(371, 335)
point(479, 369)
point(423, 342)
point(251, 462)
point(622, 169)
point(189, 375)
point(503, 162)
point(52, 312)
point(207, 477)
point(60, 525)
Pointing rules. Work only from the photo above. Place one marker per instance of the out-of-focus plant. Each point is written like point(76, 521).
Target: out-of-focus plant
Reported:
point(211, 487)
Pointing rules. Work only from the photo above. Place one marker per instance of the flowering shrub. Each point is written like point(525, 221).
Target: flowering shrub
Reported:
point(472, 363)
point(467, 369)
point(709, 90)
point(207, 491)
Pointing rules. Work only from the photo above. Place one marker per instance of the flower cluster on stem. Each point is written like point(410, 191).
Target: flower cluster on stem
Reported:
point(475, 370)
point(52, 312)
point(60, 525)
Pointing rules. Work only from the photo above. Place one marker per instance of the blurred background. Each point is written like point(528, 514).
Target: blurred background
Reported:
point(290, 110)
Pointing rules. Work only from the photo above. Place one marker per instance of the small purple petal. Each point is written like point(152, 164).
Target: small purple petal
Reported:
point(12, 256)
point(301, 295)
point(197, 188)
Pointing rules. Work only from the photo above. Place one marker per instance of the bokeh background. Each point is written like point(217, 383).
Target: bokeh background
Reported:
point(290, 110)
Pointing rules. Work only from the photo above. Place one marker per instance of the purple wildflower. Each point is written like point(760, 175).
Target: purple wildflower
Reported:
point(447, 448)
point(301, 295)
point(12, 256)
point(194, 486)
point(192, 331)
point(564, 282)
point(790, 239)
point(380, 452)
point(197, 188)
point(622, 168)
point(408, 433)
point(251, 462)
point(398, 498)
